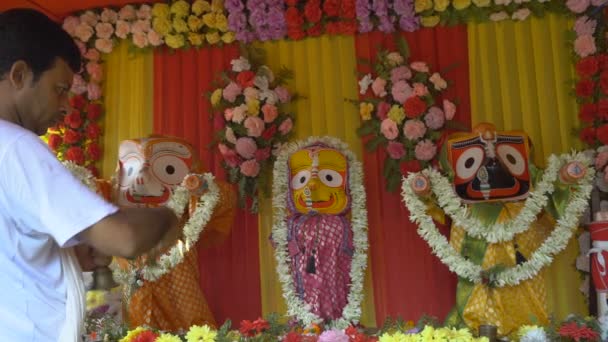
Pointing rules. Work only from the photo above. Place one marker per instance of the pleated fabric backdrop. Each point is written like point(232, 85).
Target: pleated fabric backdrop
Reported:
point(521, 76)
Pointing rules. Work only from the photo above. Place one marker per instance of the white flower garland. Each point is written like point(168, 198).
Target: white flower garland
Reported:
point(295, 306)
point(191, 231)
point(82, 174)
point(543, 256)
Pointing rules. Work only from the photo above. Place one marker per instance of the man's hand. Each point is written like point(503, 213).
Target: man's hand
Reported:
point(89, 258)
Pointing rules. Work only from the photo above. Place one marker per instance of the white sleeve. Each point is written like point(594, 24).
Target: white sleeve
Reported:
point(43, 196)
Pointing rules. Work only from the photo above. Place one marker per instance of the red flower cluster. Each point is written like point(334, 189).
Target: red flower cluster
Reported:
point(314, 17)
point(592, 89)
point(578, 333)
point(251, 329)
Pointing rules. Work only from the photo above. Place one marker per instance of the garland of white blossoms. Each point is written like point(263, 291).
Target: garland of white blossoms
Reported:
point(295, 306)
point(82, 174)
point(191, 231)
point(543, 256)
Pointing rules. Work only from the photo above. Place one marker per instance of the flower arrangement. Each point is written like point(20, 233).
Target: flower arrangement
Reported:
point(256, 19)
point(386, 16)
point(182, 25)
point(315, 17)
point(400, 109)
point(251, 101)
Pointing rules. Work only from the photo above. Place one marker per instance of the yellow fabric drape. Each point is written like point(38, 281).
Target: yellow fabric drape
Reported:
point(326, 77)
point(128, 100)
point(519, 80)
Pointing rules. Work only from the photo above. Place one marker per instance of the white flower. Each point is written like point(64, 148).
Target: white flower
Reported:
point(240, 64)
point(89, 17)
point(521, 14)
point(109, 16)
point(261, 82)
point(499, 16)
point(265, 71)
point(438, 81)
point(535, 335)
point(364, 83)
point(270, 96)
point(239, 113)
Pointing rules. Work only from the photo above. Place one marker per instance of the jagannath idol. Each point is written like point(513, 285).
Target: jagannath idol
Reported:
point(508, 218)
point(320, 231)
point(164, 292)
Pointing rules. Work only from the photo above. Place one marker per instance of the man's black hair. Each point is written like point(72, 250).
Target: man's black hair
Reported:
point(28, 35)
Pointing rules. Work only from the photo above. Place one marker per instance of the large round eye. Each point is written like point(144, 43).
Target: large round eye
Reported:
point(469, 162)
point(129, 170)
point(330, 178)
point(300, 179)
point(169, 169)
point(512, 159)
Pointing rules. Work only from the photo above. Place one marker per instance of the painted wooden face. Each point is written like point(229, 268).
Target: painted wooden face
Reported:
point(149, 169)
point(490, 165)
point(319, 180)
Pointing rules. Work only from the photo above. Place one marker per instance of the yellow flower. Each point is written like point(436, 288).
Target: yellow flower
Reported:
point(481, 3)
point(199, 333)
point(423, 5)
point(365, 110)
point(161, 25)
point(180, 8)
point(175, 41)
point(228, 37)
point(461, 4)
point(217, 5)
point(253, 107)
point(200, 6)
point(209, 19)
point(132, 334)
point(216, 97)
point(430, 21)
point(194, 23)
point(221, 22)
point(160, 10)
point(213, 37)
point(441, 5)
point(168, 338)
point(95, 299)
point(195, 39)
point(396, 114)
point(180, 25)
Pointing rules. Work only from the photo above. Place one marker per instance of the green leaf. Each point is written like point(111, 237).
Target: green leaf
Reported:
point(372, 145)
point(403, 47)
point(367, 127)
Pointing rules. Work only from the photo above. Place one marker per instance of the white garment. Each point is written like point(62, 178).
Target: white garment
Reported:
point(42, 209)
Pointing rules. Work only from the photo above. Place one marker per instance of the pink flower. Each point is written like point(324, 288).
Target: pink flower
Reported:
point(95, 71)
point(231, 91)
point(239, 113)
point(81, 47)
point(414, 129)
point(578, 6)
point(250, 168)
point(79, 85)
point(246, 147)
point(286, 126)
point(70, 23)
point(84, 32)
point(230, 137)
point(378, 87)
point(389, 129)
point(104, 30)
point(223, 149)
point(400, 73)
point(598, 3)
point(144, 12)
point(420, 66)
point(383, 108)
point(420, 89)
point(109, 16)
point(90, 18)
point(425, 150)
point(585, 45)
point(104, 45)
point(140, 26)
point(282, 94)
point(228, 114)
point(585, 26)
point(93, 91)
point(401, 91)
point(92, 55)
point(333, 336)
point(154, 38)
point(262, 154)
point(251, 93)
point(395, 150)
point(438, 81)
point(449, 109)
point(270, 113)
point(123, 28)
point(601, 160)
point(230, 157)
point(435, 118)
point(140, 40)
point(254, 125)
point(127, 13)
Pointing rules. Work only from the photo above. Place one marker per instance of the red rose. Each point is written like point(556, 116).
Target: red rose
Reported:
point(295, 34)
point(261, 325)
point(71, 136)
point(332, 7)
point(348, 27)
point(312, 11)
point(414, 107)
point(348, 9)
point(269, 132)
point(587, 135)
point(292, 336)
point(74, 119)
point(602, 109)
point(584, 88)
point(93, 131)
point(145, 336)
point(262, 154)
point(75, 154)
point(54, 141)
point(587, 112)
point(245, 78)
point(78, 102)
point(602, 134)
point(293, 18)
point(602, 61)
point(315, 30)
point(604, 81)
point(94, 151)
point(332, 28)
point(247, 328)
point(93, 111)
point(587, 67)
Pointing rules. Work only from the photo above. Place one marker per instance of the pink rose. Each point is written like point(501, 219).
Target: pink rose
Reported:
point(109, 16)
point(414, 129)
point(104, 30)
point(79, 85)
point(420, 89)
point(246, 147)
point(425, 150)
point(239, 113)
point(389, 129)
point(223, 149)
point(84, 32)
point(598, 3)
point(282, 94)
point(601, 159)
point(231, 91)
point(127, 13)
point(104, 45)
point(262, 154)
point(395, 150)
point(93, 91)
point(438, 81)
point(420, 66)
point(250, 168)
point(333, 336)
point(383, 109)
point(140, 40)
point(154, 38)
point(401, 91)
point(230, 137)
point(140, 26)
point(435, 118)
point(144, 12)
point(123, 28)
point(70, 23)
point(449, 109)
point(585, 26)
point(254, 125)
point(578, 6)
point(286, 126)
point(228, 114)
point(251, 93)
point(585, 45)
point(90, 18)
point(230, 157)
point(400, 73)
point(95, 71)
point(270, 113)
point(378, 87)
point(92, 55)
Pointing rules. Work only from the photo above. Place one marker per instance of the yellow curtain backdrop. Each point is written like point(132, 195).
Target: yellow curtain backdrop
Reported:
point(520, 74)
point(326, 77)
point(128, 100)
